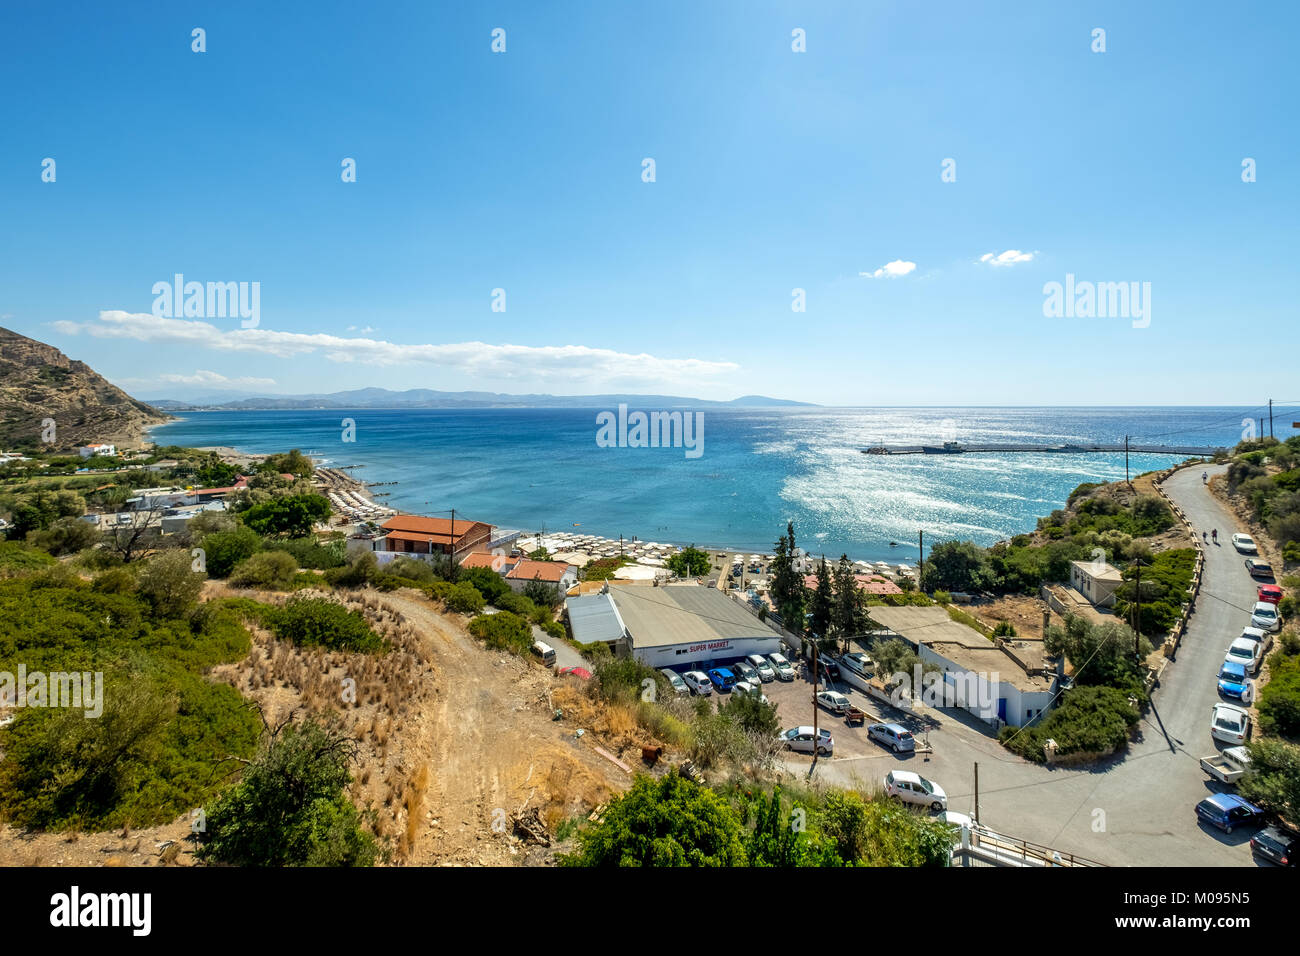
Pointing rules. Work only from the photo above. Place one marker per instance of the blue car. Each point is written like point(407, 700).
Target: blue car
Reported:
point(1227, 810)
point(1234, 681)
point(722, 679)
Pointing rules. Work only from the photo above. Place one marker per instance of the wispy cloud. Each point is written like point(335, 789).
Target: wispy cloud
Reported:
point(1009, 258)
point(891, 270)
point(364, 331)
point(560, 363)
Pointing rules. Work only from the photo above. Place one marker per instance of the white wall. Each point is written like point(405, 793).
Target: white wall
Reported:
point(694, 656)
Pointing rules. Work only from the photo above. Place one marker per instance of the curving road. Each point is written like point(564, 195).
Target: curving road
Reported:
point(1136, 810)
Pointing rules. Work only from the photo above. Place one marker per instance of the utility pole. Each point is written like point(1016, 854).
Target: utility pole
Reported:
point(977, 791)
point(452, 570)
point(920, 568)
point(1270, 418)
point(1127, 481)
point(816, 732)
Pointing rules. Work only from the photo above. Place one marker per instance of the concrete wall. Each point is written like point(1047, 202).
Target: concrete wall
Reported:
point(704, 656)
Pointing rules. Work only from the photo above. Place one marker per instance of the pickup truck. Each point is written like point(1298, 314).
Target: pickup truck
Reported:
point(1229, 766)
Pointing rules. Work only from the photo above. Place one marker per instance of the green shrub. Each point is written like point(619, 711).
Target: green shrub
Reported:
point(503, 631)
point(311, 621)
point(1088, 720)
point(270, 570)
point(225, 549)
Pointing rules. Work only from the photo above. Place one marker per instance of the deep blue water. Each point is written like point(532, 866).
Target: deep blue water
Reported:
point(535, 468)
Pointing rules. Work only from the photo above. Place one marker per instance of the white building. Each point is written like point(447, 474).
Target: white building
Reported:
point(90, 451)
point(1097, 581)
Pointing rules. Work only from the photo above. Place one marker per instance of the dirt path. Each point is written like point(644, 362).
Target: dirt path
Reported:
point(492, 749)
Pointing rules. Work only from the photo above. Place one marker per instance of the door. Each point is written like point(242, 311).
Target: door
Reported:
point(1002, 709)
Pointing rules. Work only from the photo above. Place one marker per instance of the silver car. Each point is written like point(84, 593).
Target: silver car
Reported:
point(803, 740)
point(675, 681)
point(784, 672)
point(746, 672)
point(765, 670)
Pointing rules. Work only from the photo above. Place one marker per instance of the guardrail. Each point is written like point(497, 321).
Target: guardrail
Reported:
point(1176, 633)
point(986, 849)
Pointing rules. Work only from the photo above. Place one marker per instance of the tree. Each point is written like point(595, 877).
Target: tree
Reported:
point(786, 587)
point(1102, 654)
point(37, 511)
point(314, 621)
point(290, 515)
point(541, 593)
point(290, 808)
point(849, 610)
point(822, 605)
point(224, 549)
point(690, 562)
point(667, 822)
point(171, 585)
point(503, 631)
point(958, 566)
point(65, 536)
point(1274, 778)
point(138, 536)
point(752, 714)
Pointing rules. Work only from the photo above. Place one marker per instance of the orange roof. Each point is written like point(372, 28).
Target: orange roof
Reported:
point(552, 571)
point(481, 559)
point(437, 529)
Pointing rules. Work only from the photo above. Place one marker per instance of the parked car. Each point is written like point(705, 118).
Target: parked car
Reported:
point(803, 740)
point(833, 701)
point(745, 689)
point(829, 669)
point(766, 672)
point(1227, 810)
point(675, 681)
point(1244, 543)
point(746, 671)
point(1259, 569)
point(1235, 682)
point(722, 679)
point(1265, 617)
point(1270, 593)
point(913, 788)
point(1228, 765)
point(698, 682)
point(1263, 638)
point(1249, 654)
point(1230, 723)
point(1276, 845)
point(783, 668)
point(894, 736)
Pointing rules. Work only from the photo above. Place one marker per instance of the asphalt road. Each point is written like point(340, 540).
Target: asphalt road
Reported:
point(1133, 810)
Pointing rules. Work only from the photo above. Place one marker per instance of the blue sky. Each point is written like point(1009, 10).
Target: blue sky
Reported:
point(775, 170)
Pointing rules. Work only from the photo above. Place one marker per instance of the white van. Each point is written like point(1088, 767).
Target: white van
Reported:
point(545, 652)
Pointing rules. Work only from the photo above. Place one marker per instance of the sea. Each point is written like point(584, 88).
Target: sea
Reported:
point(541, 469)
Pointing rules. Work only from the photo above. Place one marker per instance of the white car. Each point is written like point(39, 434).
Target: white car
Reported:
point(1263, 638)
point(801, 739)
point(1244, 543)
point(766, 672)
point(745, 689)
point(784, 671)
point(1249, 654)
point(1265, 617)
point(912, 788)
point(675, 681)
point(834, 701)
point(746, 672)
point(698, 682)
point(1230, 723)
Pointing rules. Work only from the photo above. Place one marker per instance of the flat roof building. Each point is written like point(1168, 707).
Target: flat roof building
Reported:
point(681, 625)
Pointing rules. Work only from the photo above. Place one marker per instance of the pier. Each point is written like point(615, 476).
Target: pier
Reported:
point(957, 448)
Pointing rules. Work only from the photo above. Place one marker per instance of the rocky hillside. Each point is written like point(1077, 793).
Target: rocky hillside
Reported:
point(37, 382)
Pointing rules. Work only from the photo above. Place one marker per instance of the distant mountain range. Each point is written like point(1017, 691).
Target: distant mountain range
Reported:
point(49, 400)
point(429, 398)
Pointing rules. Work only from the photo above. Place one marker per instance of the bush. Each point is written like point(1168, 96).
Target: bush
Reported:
point(312, 554)
point(290, 808)
point(312, 621)
point(171, 585)
point(357, 573)
point(270, 570)
point(503, 631)
point(225, 549)
point(1279, 701)
point(1088, 721)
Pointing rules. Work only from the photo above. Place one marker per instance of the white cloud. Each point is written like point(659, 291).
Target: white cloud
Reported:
point(1009, 258)
point(364, 331)
point(205, 377)
point(891, 270)
point(566, 364)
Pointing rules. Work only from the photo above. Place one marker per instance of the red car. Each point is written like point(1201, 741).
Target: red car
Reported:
point(1270, 592)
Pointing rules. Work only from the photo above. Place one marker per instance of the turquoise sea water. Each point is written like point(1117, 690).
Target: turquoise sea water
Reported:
point(541, 468)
